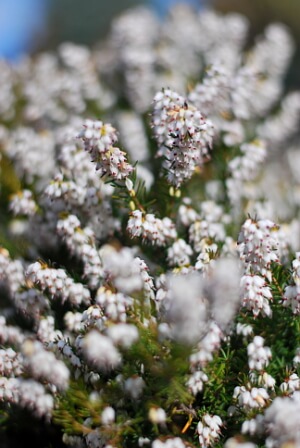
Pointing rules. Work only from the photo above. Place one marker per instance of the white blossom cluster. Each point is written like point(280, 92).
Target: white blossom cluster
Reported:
point(291, 383)
point(44, 365)
point(251, 397)
point(150, 228)
point(28, 394)
point(209, 429)
point(258, 354)
point(98, 140)
point(256, 294)
point(282, 421)
point(174, 442)
point(81, 243)
point(183, 134)
point(57, 283)
point(244, 169)
point(292, 292)
point(258, 243)
point(100, 351)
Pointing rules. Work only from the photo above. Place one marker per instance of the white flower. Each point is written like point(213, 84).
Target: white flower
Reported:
point(209, 429)
point(22, 203)
point(179, 253)
point(258, 355)
point(244, 329)
point(151, 229)
point(184, 308)
point(122, 269)
point(196, 381)
point(44, 366)
point(123, 334)
point(157, 415)
point(249, 398)
point(221, 289)
point(233, 442)
point(291, 384)
point(255, 426)
point(57, 283)
point(173, 442)
point(108, 415)
point(207, 346)
point(100, 351)
point(27, 393)
point(97, 136)
point(114, 305)
point(135, 223)
point(186, 214)
point(256, 295)
point(246, 166)
point(99, 139)
point(183, 133)
point(134, 386)
point(257, 245)
point(282, 421)
point(296, 359)
point(292, 292)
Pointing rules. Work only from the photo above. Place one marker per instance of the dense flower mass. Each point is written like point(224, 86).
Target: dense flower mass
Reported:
point(184, 136)
point(98, 139)
point(149, 238)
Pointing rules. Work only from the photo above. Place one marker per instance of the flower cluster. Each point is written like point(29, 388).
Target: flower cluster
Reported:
point(152, 229)
point(292, 292)
point(258, 355)
point(184, 136)
point(209, 429)
point(258, 243)
point(98, 139)
point(256, 294)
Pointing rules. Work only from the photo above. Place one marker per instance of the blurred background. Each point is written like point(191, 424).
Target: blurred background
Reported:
point(28, 26)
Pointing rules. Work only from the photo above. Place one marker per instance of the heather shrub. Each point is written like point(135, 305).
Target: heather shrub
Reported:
point(150, 238)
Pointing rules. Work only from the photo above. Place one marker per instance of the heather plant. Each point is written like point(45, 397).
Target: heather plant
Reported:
point(150, 250)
